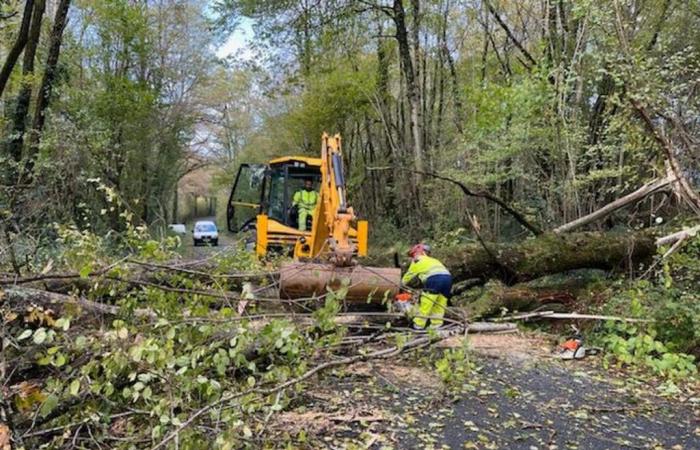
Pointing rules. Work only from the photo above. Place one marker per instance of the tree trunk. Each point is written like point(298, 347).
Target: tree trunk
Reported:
point(496, 297)
point(44, 97)
point(17, 48)
point(548, 254)
point(19, 120)
point(411, 84)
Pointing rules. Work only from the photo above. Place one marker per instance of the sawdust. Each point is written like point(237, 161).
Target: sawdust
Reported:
point(512, 345)
point(315, 422)
point(398, 374)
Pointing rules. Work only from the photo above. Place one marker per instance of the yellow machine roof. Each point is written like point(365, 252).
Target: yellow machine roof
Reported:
point(304, 159)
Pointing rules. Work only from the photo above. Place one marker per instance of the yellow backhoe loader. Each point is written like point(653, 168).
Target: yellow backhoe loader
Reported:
point(327, 255)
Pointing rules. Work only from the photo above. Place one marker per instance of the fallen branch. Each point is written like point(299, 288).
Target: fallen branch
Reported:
point(683, 234)
point(480, 194)
point(554, 315)
point(25, 296)
point(485, 327)
point(59, 276)
point(692, 198)
point(639, 194)
point(242, 275)
point(384, 353)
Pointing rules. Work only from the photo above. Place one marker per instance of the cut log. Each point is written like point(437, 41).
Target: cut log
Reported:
point(550, 253)
point(486, 327)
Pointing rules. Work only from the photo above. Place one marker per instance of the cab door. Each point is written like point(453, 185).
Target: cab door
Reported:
point(246, 199)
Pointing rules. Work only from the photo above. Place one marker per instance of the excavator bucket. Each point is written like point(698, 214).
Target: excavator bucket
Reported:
point(364, 284)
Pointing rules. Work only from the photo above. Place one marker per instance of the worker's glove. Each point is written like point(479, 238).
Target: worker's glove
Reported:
point(414, 283)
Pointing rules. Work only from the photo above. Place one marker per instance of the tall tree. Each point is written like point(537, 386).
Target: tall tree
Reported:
point(21, 111)
point(18, 46)
point(47, 82)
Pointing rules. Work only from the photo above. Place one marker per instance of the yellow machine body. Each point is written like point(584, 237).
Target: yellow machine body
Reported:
point(336, 237)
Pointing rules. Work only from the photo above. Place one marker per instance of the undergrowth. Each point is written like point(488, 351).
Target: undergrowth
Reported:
point(666, 341)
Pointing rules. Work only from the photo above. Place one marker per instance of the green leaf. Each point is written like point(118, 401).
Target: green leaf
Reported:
point(80, 341)
point(63, 323)
point(74, 387)
point(25, 334)
point(40, 336)
point(86, 270)
point(60, 360)
point(123, 333)
point(49, 405)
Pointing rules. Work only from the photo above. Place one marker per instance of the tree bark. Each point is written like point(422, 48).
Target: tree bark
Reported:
point(44, 97)
point(21, 297)
point(548, 254)
point(399, 17)
point(19, 121)
point(496, 297)
point(17, 48)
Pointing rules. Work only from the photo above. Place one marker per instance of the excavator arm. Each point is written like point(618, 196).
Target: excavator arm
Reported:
point(333, 222)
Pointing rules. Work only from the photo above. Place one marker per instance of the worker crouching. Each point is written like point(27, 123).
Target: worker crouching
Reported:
point(436, 283)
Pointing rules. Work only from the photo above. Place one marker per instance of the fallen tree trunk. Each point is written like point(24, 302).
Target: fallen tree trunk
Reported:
point(17, 296)
point(495, 297)
point(550, 253)
point(20, 297)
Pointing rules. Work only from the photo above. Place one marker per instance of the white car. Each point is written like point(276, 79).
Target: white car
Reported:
point(205, 232)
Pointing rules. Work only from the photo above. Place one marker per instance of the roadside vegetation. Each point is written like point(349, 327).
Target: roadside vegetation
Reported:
point(546, 149)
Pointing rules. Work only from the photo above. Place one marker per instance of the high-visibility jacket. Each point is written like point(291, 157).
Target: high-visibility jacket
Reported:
point(424, 267)
point(305, 200)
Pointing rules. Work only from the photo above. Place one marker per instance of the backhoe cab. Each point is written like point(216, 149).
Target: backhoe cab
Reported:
point(262, 199)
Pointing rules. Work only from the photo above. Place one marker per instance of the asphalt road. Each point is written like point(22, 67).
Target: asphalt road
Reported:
point(550, 406)
point(526, 402)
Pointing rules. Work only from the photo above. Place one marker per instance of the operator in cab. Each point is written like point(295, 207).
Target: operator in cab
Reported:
point(305, 201)
point(436, 282)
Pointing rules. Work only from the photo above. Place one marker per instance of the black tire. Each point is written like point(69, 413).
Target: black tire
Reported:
point(196, 244)
point(215, 242)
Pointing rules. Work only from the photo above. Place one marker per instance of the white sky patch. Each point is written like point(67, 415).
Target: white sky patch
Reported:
point(239, 43)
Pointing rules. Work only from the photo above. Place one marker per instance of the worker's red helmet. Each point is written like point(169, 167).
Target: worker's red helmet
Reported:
point(425, 248)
